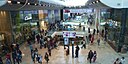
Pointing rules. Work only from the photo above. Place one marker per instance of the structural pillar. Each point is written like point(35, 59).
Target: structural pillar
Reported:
point(12, 17)
point(61, 14)
point(123, 28)
point(72, 49)
point(97, 18)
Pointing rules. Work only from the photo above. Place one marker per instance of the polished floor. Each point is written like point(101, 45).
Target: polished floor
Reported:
point(106, 55)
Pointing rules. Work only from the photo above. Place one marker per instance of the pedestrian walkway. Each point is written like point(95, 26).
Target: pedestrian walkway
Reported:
point(106, 55)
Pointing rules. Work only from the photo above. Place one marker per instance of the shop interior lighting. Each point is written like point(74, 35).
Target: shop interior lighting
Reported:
point(18, 2)
point(28, 3)
point(9, 2)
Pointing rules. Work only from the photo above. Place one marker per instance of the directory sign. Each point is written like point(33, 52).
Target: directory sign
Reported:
point(66, 41)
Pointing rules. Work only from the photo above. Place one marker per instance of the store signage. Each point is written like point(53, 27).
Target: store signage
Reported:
point(66, 11)
point(69, 34)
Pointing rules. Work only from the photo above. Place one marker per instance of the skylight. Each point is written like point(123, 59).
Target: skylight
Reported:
point(75, 2)
point(68, 3)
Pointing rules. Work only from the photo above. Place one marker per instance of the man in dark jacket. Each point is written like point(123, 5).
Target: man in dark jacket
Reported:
point(90, 56)
point(77, 51)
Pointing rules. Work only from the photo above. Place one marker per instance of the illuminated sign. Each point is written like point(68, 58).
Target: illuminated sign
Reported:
point(69, 34)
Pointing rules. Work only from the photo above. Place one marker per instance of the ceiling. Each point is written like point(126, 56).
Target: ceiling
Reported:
point(51, 4)
point(68, 3)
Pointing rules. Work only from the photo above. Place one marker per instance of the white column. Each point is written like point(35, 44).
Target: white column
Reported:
point(97, 18)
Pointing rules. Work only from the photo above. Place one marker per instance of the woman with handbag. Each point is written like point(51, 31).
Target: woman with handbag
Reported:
point(94, 56)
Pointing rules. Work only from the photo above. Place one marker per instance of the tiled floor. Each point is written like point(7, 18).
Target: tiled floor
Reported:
point(106, 55)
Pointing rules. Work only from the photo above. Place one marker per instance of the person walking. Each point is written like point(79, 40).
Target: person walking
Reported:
point(117, 61)
point(94, 56)
point(122, 60)
point(14, 56)
point(8, 56)
point(38, 38)
point(97, 31)
point(19, 56)
point(49, 51)
point(87, 40)
point(67, 51)
point(98, 41)
point(90, 56)
point(41, 42)
point(89, 36)
point(46, 57)
point(94, 30)
point(88, 29)
point(83, 44)
point(92, 39)
point(31, 47)
point(33, 56)
point(77, 51)
point(40, 59)
point(1, 61)
point(8, 61)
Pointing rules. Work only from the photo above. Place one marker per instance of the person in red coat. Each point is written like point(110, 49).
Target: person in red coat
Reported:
point(92, 39)
point(8, 56)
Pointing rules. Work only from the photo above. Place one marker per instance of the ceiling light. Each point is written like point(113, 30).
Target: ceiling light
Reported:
point(97, 1)
point(35, 4)
point(18, 2)
point(9, 1)
point(28, 3)
point(93, 2)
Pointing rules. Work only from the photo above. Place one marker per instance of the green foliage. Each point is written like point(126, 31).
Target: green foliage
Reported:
point(17, 22)
point(17, 19)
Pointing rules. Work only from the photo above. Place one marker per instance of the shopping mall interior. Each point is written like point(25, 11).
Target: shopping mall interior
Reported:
point(63, 32)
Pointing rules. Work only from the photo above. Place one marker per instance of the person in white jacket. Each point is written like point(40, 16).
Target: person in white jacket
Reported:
point(122, 60)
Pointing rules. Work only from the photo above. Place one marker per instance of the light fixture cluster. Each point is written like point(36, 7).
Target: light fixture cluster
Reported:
point(35, 4)
point(97, 1)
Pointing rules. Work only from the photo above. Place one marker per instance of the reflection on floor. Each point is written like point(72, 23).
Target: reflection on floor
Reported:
point(106, 55)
